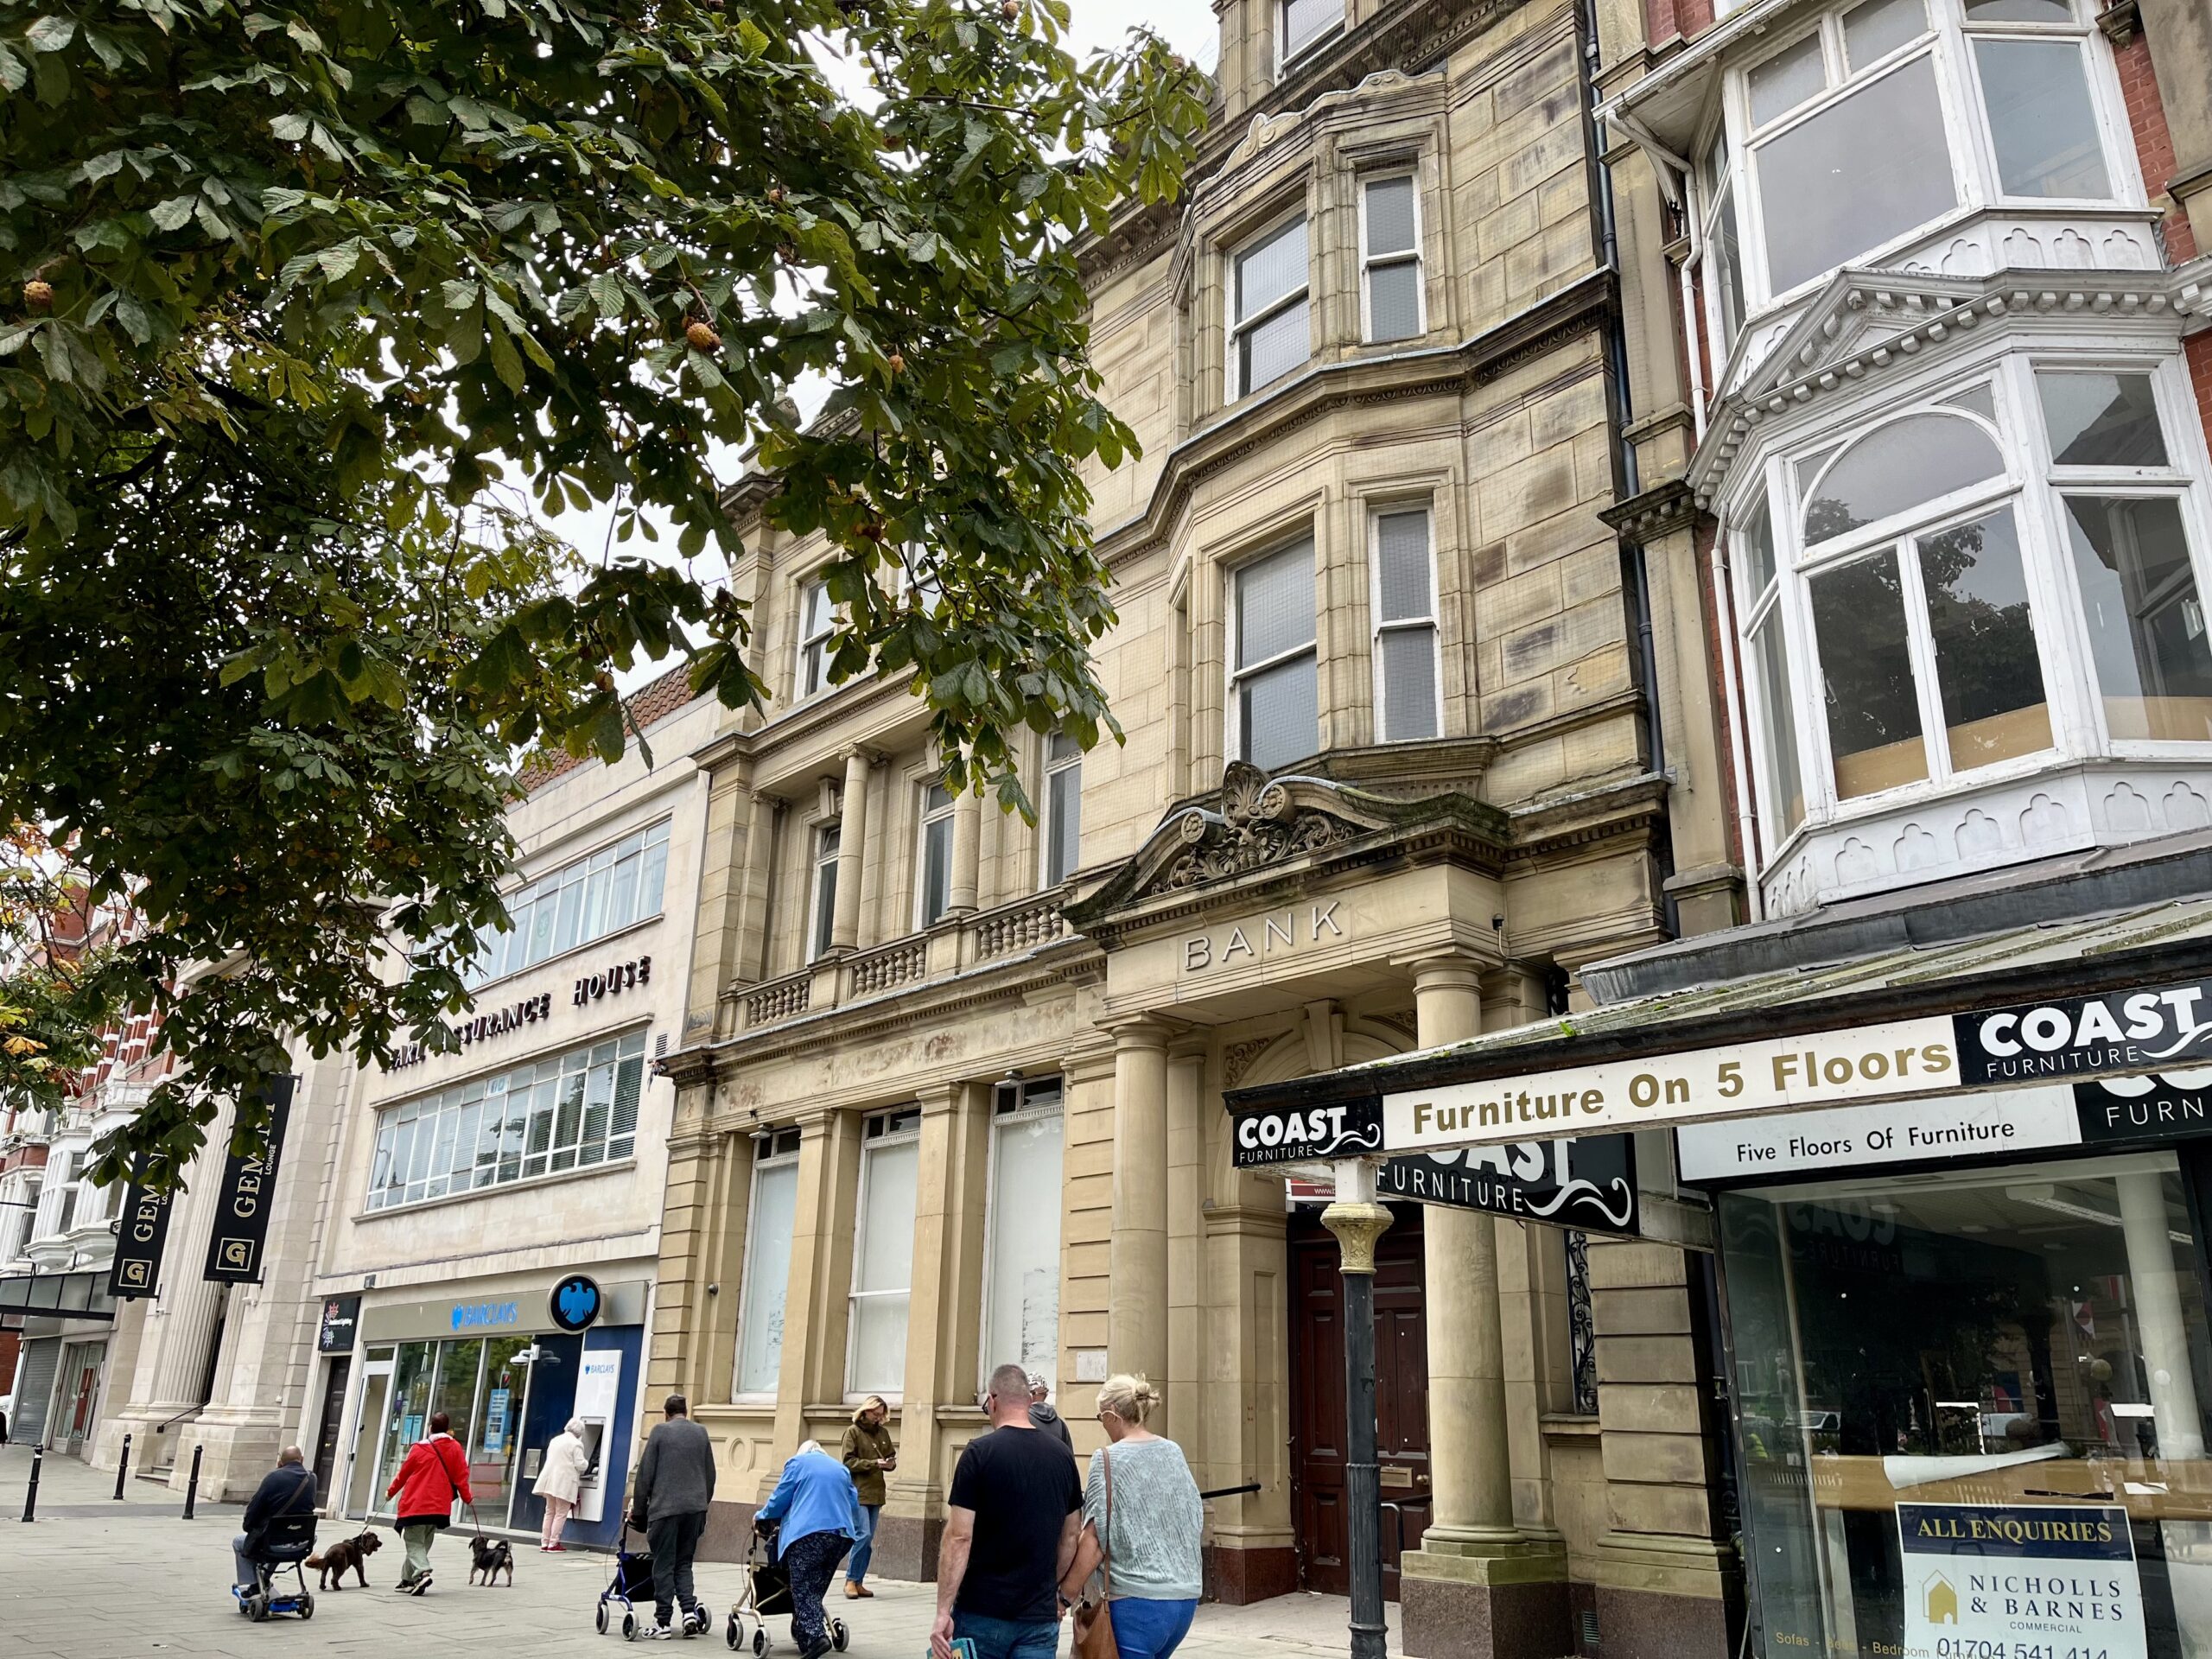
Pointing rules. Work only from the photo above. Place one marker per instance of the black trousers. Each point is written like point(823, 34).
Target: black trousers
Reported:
point(674, 1540)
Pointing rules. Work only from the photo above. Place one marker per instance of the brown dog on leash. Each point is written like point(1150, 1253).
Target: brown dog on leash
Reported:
point(346, 1553)
point(492, 1556)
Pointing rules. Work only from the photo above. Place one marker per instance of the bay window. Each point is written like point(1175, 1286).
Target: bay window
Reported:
point(1751, 543)
point(1021, 1309)
point(1406, 665)
point(1063, 808)
point(2130, 556)
point(1887, 115)
point(883, 1254)
point(1275, 686)
point(1307, 23)
point(1269, 335)
point(770, 1221)
point(933, 858)
point(1390, 257)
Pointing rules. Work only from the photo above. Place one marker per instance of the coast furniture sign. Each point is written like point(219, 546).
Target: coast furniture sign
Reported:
point(2073, 1038)
point(2014, 1579)
point(1257, 1139)
point(1587, 1183)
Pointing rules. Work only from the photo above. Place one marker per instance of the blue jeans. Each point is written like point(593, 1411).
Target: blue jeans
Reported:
point(1005, 1638)
point(863, 1546)
point(1151, 1629)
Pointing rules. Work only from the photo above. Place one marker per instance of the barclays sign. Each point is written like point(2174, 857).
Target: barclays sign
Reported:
point(472, 1316)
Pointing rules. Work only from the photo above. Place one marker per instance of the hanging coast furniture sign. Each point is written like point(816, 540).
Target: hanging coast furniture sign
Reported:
point(2066, 1039)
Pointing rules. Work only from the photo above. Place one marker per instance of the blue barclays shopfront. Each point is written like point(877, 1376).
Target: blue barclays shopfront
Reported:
point(500, 1365)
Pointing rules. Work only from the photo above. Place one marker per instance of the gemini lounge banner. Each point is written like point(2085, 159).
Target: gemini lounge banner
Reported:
point(2068, 1038)
point(137, 1269)
point(241, 1231)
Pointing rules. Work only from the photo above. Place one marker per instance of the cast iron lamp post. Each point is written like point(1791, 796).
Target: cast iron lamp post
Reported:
point(1358, 1221)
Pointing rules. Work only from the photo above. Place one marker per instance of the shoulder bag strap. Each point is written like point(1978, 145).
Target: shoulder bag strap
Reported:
point(1106, 1539)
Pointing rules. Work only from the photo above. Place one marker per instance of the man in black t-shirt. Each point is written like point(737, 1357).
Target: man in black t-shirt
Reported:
point(1014, 1515)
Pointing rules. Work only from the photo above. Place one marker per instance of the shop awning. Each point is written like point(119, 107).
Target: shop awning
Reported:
point(78, 1295)
point(2119, 993)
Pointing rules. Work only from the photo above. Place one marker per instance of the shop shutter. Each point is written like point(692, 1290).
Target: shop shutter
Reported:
point(34, 1384)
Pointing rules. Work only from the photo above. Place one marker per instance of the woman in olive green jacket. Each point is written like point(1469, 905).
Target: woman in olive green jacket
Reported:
point(869, 1453)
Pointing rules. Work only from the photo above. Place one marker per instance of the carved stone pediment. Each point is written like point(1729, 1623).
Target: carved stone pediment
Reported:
point(1257, 823)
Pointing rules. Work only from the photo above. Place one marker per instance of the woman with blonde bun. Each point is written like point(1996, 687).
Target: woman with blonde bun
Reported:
point(1142, 1522)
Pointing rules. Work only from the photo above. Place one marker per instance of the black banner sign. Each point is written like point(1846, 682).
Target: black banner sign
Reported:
point(2085, 1036)
point(2158, 1106)
point(1587, 1184)
point(241, 1231)
point(137, 1268)
point(341, 1317)
point(1282, 1135)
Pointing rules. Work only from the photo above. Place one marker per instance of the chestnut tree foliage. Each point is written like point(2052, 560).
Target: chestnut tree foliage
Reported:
point(283, 287)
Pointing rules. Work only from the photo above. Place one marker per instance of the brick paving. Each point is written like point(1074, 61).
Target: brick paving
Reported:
point(94, 1579)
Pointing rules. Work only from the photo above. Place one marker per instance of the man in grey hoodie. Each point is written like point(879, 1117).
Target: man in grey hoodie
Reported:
point(1041, 1415)
point(676, 1483)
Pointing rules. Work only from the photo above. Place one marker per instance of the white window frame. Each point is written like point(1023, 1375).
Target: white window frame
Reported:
point(767, 1164)
point(811, 641)
point(871, 1143)
point(821, 925)
point(1232, 712)
point(1239, 326)
point(1025, 1112)
point(1285, 54)
point(1370, 262)
point(1970, 148)
point(925, 818)
point(1049, 768)
point(1377, 512)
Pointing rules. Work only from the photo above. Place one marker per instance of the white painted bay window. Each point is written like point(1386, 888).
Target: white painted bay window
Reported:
point(1390, 257)
point(1021, 1321)
point(769, 1220)
point(1883, 116)
point(1063, 808)
point(933, 858)
point(1269, 335)
point(822, 916)
point(1407, 666)
point(817, 617)
point(1275, 686)
point(883, 1254)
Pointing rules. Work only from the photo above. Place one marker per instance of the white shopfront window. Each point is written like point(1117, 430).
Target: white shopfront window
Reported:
point(883, 1254)
point(769, 1220)
point(1022, 1315)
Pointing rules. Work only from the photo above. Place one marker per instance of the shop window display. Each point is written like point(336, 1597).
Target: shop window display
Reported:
point(1926, 1367)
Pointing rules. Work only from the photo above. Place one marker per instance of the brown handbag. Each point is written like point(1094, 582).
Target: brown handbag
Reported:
point(1093, 1621)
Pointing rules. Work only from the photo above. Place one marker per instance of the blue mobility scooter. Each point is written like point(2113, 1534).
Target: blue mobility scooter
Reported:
point(286, 1542)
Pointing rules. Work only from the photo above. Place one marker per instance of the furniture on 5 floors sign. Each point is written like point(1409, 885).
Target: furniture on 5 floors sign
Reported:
point(2114, 1034)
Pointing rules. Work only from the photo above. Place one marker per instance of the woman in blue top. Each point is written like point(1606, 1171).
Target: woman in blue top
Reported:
point(820, 1512)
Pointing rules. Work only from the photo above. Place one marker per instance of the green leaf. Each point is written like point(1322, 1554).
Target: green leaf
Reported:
point(50, 33)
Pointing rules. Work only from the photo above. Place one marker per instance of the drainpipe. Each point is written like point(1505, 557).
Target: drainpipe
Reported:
point(1635, 578)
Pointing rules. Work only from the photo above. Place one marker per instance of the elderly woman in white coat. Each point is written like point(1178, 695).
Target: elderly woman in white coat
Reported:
point(559, 1480)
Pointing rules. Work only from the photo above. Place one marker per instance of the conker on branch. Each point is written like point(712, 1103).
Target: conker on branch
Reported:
point(776, 194)
point(1010, 10)
point(703, 338)
point(38, 295)
point(895, 362)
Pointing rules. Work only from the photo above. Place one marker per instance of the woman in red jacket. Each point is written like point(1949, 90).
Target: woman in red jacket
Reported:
point(434, 1474)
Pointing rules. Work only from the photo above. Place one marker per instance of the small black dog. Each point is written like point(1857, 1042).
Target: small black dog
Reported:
point(333, 1562)
point(492, 1556)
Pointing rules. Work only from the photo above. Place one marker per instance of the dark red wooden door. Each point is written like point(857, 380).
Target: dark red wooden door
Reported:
point(1317, 1402)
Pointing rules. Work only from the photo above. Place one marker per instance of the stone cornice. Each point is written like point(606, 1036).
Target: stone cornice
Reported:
point(1659, 510)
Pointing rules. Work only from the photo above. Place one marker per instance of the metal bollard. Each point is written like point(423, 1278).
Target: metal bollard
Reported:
point(31, 1492)
point(121, 1468)
point(192, 1487)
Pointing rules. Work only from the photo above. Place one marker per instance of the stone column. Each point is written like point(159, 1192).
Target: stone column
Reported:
point(852, 841)
point(817, 1294)
point(967, 852)
point(2158, 1314)
point(1136, 1323)
point(943, 1320)
point(1476, 1587)
point(1186, 1066)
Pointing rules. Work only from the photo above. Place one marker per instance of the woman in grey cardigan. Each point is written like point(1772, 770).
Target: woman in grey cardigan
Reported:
point(1147, 1539)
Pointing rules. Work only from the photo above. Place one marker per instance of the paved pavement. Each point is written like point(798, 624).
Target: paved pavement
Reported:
point(93, 1579)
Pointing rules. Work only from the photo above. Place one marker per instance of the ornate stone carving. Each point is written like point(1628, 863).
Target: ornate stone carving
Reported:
point(1258, 823)
point(1357, 1227)
point(1237, 1059)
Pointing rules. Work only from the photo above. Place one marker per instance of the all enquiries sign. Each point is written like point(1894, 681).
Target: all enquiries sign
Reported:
point(2115, 1034)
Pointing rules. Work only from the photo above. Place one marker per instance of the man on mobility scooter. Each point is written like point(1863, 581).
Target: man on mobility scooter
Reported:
point(278, 1532)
